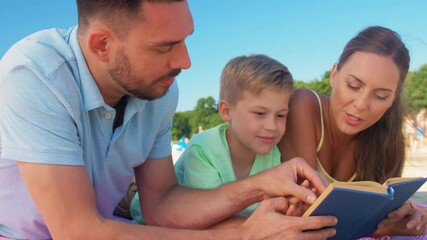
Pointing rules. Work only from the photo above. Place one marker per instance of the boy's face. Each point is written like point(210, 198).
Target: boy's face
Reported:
point(258, 122)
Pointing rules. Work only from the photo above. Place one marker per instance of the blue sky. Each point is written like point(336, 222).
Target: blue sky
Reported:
point(306, 35)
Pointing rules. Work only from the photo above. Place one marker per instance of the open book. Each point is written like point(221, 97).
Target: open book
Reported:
point(360, 206)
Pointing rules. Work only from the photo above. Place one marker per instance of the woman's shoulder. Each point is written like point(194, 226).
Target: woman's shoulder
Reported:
point(305, 101)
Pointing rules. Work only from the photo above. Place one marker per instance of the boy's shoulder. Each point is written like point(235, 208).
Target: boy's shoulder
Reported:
point(210, 139)
point(210, 143)
point(209, 134)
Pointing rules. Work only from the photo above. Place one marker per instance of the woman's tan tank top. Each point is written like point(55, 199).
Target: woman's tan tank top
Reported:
point(319, 146)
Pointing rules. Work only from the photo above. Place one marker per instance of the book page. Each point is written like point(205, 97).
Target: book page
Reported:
point(367, 186)
point(396, 180)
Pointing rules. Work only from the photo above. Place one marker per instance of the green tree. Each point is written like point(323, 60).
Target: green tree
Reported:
point(181, 125)
point(415, 89)
point(205, 114)
point(320, 86)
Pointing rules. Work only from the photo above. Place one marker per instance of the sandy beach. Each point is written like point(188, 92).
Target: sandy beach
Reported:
point(416, 166)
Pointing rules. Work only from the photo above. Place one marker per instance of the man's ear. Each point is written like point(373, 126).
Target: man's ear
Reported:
point(100, 44)
point(224, 110)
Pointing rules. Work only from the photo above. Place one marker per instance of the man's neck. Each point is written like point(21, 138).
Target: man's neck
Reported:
point(120, 112)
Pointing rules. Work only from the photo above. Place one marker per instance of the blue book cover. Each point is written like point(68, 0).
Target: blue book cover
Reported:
point(360, 206)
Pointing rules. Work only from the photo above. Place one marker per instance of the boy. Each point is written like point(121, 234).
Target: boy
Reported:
point(254, 97)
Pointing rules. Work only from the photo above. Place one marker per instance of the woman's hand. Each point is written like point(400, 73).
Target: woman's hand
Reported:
point(409, 220)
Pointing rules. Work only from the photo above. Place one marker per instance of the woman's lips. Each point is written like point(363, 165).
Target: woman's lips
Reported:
point(351, 119)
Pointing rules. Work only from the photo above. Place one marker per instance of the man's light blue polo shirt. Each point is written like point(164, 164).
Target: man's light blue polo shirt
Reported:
point(51, 111)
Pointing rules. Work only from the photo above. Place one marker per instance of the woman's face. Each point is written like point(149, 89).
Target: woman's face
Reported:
point(362, 91)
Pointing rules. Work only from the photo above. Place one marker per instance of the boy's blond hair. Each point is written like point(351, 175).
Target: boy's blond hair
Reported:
point(253, 73)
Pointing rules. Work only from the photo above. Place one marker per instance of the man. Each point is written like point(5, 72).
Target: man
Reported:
point(84, 111)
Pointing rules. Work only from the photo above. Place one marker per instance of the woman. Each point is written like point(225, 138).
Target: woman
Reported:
point(355, 134)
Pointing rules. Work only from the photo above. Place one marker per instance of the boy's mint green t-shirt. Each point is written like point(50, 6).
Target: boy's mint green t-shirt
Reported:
point(206, 164)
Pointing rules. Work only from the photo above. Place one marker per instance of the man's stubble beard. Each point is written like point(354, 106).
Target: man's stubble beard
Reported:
point(122, 75)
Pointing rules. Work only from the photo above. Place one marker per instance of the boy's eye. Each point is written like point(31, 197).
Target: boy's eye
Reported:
point(281, 115)
point(259, 113)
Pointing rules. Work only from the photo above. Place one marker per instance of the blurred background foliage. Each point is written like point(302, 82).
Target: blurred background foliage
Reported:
point(205, 114)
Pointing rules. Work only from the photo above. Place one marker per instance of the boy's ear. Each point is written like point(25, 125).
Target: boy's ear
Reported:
point(224, 110)
point(101, 43)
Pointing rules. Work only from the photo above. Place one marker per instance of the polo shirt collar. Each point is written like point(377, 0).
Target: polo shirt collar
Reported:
point(91, 95)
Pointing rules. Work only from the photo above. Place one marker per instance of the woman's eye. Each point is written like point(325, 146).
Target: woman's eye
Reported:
point(381, 97)
point(354, 87)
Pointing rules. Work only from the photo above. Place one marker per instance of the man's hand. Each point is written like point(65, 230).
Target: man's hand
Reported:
point(268, 222)
point(296, 206)
point(282, 180)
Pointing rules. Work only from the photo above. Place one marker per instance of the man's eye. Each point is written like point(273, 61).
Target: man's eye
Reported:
point(164, 49)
